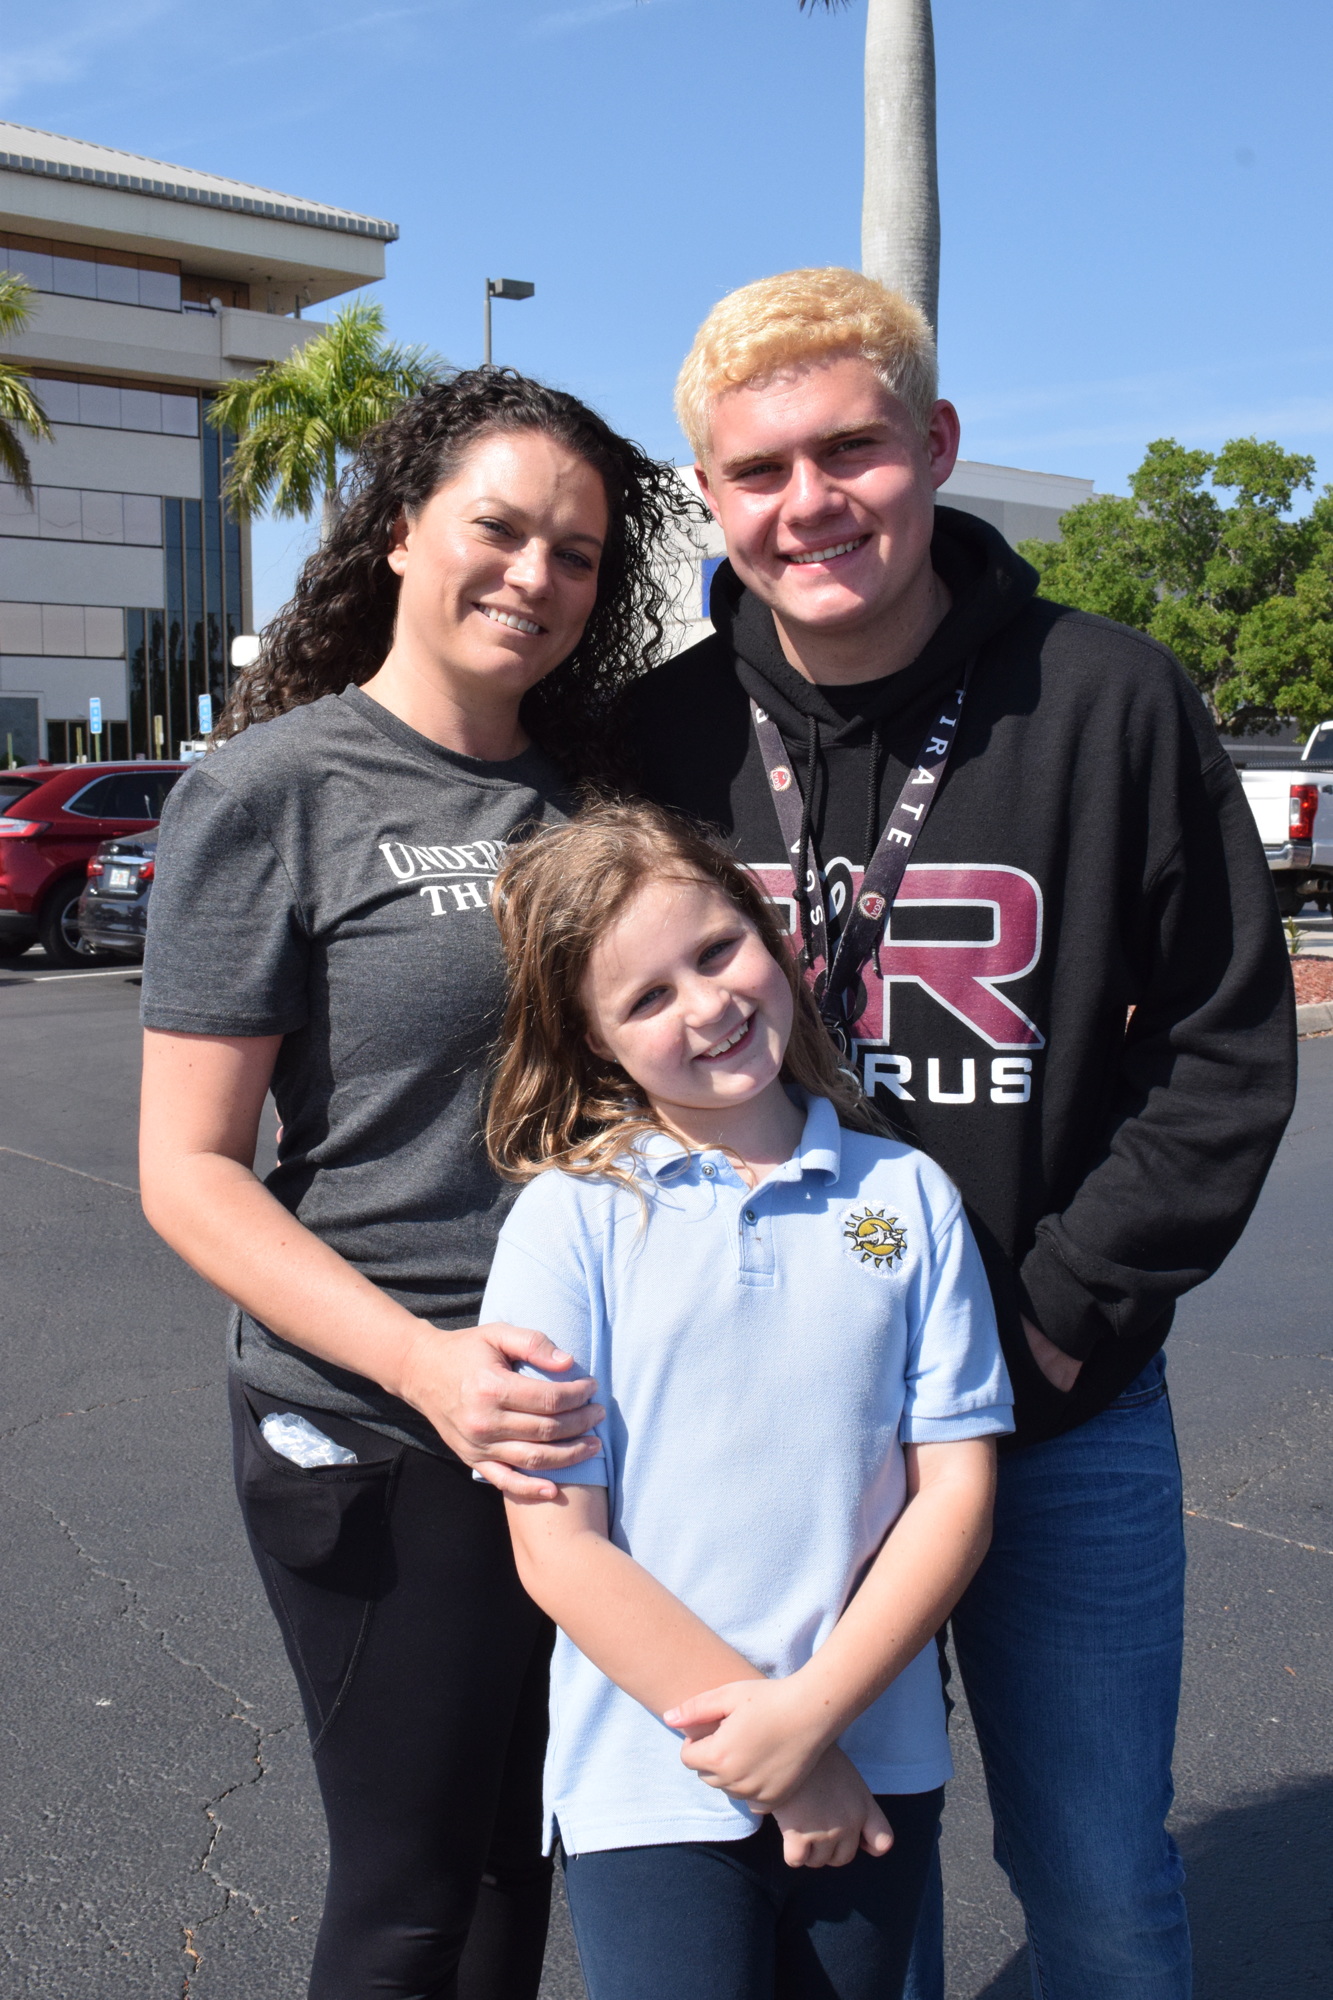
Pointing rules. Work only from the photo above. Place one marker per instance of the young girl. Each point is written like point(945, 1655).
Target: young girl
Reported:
point(792, 1336)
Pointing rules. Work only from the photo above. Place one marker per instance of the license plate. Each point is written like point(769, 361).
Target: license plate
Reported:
point(120, 878)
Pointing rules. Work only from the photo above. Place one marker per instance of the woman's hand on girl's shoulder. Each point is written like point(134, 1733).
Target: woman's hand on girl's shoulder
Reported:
point(831, 1818)
point(509, 1427)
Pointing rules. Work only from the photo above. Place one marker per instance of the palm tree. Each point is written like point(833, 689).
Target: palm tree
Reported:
point(295, 418)
point(900, 205)
point(18, 406)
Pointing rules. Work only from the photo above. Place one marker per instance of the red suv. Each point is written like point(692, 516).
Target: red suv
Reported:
point(53, 817)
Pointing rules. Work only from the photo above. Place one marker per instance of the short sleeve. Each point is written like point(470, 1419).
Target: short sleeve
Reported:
point(539, 1279)
point(227, 950)
point(957, 1383)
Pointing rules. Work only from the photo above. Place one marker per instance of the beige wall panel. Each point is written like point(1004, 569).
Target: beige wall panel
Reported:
point(117, 462)
point(104, 628)
point(64, 631)
point(65, 685)
point(20, 628)
point(79, 573)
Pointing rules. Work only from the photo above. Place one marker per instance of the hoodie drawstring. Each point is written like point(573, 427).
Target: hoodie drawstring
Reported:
point(807, 811)
point(872, 794)
point(803, 849)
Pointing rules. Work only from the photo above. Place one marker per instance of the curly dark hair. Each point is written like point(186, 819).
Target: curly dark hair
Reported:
point(338, 626)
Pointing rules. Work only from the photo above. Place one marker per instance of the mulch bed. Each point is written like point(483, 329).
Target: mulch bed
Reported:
point(1314, 979)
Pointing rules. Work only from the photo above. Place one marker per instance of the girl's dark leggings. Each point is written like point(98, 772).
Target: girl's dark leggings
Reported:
point(728, 1920)
point(422, 1667)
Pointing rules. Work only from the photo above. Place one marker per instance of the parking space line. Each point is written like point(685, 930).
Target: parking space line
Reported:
point(111, 972)
point(60, 1167)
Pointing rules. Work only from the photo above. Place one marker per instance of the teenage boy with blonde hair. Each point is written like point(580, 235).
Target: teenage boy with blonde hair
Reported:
point(1001, 831)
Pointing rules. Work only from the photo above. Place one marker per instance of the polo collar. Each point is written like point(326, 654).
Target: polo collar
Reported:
point(819, 1151)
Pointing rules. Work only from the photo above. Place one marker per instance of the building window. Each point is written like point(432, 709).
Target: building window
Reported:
point(202, 546)
point(78, 271)
point(69, 741)
point(64, 631)
point(68, 514)
point(106, 407)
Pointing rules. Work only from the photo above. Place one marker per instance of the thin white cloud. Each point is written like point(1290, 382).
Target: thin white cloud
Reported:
point(67, 56)
point(569, 20)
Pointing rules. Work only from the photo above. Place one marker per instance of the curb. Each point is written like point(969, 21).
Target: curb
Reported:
point(1315, 1019)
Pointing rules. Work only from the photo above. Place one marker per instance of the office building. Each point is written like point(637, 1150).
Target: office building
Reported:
point(125, 578)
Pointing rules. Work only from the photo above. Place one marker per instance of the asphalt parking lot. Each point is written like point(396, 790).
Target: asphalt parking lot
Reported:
point(159, 1833)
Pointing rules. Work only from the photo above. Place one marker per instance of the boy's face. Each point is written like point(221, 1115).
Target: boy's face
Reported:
point(824, 488)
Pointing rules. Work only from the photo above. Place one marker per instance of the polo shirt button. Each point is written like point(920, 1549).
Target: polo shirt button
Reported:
point(750, 1215)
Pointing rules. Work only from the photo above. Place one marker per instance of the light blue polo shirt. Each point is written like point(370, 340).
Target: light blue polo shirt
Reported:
point(763, 1355)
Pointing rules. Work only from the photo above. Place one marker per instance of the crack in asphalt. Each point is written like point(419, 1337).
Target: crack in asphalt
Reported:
point(228, 1891)
point(135, 1610)
point(1289, 1541)
point(91, 1409)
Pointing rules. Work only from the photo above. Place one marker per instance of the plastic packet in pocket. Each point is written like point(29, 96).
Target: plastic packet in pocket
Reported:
point(296, 1438)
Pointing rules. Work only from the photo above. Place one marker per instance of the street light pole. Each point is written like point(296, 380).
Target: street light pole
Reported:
point(502, 288)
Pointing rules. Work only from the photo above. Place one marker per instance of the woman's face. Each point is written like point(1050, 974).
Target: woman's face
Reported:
point(499, 568)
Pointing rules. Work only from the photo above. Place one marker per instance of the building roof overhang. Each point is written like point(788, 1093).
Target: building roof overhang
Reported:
point(24, 150)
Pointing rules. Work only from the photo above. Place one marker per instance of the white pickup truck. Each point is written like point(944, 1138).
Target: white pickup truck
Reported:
point(1291, 796)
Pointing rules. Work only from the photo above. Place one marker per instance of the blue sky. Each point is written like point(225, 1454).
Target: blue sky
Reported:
point(1136, 196)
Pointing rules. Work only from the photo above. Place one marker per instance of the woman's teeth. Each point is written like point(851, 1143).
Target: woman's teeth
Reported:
point(511, 619)
point(721, 1048)
point(826, 555)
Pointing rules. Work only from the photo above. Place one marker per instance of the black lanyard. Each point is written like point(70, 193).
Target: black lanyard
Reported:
point(885, 869)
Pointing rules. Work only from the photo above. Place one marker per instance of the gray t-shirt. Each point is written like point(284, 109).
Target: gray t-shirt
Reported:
point(326, 877)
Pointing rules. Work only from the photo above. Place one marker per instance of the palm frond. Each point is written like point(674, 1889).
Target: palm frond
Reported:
point(19, 409)
point(16, 297)
point(295, 417)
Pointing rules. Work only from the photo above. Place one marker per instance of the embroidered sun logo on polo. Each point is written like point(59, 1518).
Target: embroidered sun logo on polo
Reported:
point(874, 1238)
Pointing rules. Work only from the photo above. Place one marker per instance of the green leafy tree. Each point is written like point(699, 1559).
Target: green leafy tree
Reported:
point(1240, 590)
point(297, 419)
point(19, 408)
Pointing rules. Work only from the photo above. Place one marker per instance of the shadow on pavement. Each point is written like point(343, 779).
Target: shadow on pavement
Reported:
point(1260, 1891)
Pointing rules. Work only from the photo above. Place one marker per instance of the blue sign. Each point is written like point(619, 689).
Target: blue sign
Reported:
point(205, 715)
point(94, 715)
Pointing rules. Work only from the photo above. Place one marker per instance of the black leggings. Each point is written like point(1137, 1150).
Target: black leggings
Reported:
point(422, 1668)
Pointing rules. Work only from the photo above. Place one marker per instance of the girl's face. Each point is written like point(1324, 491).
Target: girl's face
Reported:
point(682, 994)
point(499, 569)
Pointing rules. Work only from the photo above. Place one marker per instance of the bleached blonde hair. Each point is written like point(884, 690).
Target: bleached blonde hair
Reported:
point(800, 317)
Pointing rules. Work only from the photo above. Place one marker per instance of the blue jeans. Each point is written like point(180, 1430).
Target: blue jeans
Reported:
point(1069, 1645)
point(728, 1920)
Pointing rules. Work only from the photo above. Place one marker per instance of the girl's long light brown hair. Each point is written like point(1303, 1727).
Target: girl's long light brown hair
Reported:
point(555, 1103)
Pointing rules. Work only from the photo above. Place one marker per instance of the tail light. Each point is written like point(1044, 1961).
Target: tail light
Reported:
point(147, 872)
point(24, 829)
point(95, 866)
point(1301, 813)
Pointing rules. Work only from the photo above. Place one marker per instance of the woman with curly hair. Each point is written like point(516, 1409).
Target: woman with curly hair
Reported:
point(321, 927)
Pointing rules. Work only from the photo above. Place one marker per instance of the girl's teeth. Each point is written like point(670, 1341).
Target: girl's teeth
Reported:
point(730, 1042)
point(508, 618)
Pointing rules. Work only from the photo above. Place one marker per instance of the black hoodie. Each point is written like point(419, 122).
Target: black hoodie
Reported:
point(1090, 852)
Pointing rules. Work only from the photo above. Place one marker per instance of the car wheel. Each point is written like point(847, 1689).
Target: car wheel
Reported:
point(1290, 902)
point(58, 931)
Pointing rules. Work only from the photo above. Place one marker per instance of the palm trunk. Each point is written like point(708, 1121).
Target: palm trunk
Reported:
point(330, 514)
point(900, 213)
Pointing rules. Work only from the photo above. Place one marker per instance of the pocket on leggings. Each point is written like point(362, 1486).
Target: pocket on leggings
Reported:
point(315, 1518)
